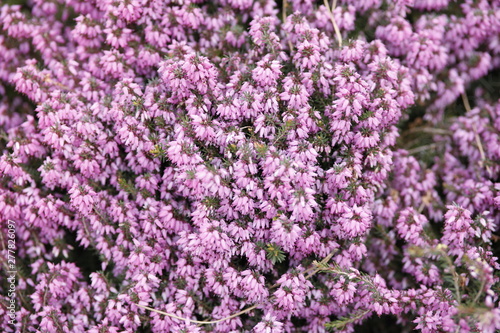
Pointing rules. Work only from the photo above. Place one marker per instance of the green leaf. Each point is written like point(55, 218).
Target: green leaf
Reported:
point(274, 253)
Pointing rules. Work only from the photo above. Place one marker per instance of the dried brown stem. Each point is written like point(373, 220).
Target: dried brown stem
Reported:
point(332, 18)
point(314, 268)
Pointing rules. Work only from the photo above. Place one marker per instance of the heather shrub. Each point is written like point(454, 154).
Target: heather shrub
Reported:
point(263, 166)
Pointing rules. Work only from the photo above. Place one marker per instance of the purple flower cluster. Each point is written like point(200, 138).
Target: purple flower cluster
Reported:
point(235, 165)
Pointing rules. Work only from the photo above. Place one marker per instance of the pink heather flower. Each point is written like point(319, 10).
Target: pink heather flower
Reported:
point(189, 16)
point(478, 65)
point(269, 324)
point(397, 33)
point(211, 243)
point(128, 10)
point(295, 94)
point(240, 4)
point(484, 227)
point(354, 222)
point(182, 152)
point(489, 321)
point(262, 32)
point(291, 293)
point(58, 284)
point(82, 198)
point(178, 146)
point(410, 226)
point(430, 5)
point(285, 233)
point(254, 286)
point(87, 32)
point(215, 282)
point(458, 229)
point(343, 291)
point(422, 269)
point(118, 37)
point(425, 52)
point(15, 22)
point(428, 322)
point(353, 51)
point(29, 81)
point(267, 71)
point(307, 56)
point(112, 64)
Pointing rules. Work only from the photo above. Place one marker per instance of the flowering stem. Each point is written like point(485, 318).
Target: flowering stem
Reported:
point(48, 79)
point(201, 322)
point(476, 136)
point(343, 322)
point(315, 267)
point(430, 130)
point(480, 291)
point(422, 148)
point(454, 274)
point(465, 99)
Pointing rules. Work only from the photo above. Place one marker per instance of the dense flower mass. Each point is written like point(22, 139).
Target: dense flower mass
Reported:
point(250, 166)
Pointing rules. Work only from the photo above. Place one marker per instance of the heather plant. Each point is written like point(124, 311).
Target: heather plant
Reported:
point(264, 166)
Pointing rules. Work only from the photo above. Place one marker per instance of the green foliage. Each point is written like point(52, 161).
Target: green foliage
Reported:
point(274, 253)
point(343, 322)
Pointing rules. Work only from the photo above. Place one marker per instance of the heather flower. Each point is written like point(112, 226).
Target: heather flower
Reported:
point(285, 232)
point(267, 72)
point(397, 33)
point(458, 228)
point(291, 293)
point(343, 291)
point(353, 223)
point(428, 5)
point(307, 56)
point(262, 33)
point(112, 64)
point(206, 157)
point(410, 227)
point(82, 198)
point(269, 324)
point(488, 321)
point(295, 93)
